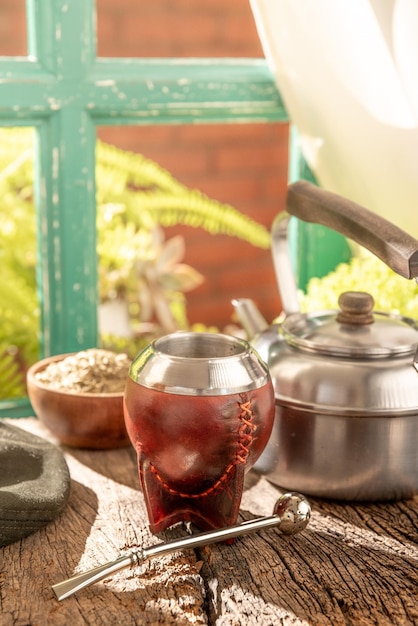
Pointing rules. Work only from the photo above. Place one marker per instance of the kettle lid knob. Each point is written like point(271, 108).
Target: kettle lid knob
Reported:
point(356, 308)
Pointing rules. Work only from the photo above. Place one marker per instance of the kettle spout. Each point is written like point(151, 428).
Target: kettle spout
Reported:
point(249, 316)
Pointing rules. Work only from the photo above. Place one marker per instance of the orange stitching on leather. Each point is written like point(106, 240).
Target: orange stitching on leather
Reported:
point(245, 439)
point(246, 432)
point(208, 492)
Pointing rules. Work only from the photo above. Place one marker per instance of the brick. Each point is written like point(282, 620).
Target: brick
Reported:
point(234, 133)
point(106, 34)
point(180, 31)
point(274, 186)
point(249, 158)
point(137, 138)
point(179, 162)
point(184, 28)
point(241, 32)
point(103, 6)
point(230, 190)
point(13, 41)
point(217, 309)
point(222, 251)
point(216, 6)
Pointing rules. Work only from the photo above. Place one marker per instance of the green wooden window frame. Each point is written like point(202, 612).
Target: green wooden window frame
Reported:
point(63, 90)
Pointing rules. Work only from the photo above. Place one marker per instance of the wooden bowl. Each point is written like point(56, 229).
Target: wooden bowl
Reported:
point(81, 420)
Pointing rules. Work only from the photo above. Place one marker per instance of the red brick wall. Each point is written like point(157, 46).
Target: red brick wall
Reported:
point(243, 165)
point(164, 28)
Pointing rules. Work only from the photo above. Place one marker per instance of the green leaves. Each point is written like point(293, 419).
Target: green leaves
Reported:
point(392, 293)
point(161, 278)
point(136, 198)
point(11, 378)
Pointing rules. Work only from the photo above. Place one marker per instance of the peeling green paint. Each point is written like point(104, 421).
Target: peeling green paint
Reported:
point(64, 91)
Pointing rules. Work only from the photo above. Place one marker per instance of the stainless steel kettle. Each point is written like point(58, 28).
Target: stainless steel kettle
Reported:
point(346, 382)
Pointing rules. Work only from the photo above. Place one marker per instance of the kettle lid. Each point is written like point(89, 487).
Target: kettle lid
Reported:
point(354, 331)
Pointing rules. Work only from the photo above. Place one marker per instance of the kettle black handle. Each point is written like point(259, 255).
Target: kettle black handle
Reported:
point(385, 240)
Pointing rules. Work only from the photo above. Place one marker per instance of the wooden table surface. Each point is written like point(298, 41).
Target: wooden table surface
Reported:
point(353, 564)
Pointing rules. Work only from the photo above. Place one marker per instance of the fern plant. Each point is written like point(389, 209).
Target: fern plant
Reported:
point(11, 382)
point(136, 199)
point(148, 192)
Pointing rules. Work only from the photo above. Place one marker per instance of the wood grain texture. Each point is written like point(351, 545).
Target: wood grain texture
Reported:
point(353, 565)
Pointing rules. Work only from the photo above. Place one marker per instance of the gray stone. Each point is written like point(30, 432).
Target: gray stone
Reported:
point(34, 483)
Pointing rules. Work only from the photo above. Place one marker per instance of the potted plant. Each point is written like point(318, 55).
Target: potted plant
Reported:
point(140, 272)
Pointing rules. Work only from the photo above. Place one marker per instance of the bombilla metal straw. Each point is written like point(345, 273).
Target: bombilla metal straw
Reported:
point(291, 515)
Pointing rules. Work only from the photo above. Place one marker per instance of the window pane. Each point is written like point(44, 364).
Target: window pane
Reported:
point(178, 28)
point(19, 312)
point(244, 166)
point(13, 40)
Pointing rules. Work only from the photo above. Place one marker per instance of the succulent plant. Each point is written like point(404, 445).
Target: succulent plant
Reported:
point(136, 199)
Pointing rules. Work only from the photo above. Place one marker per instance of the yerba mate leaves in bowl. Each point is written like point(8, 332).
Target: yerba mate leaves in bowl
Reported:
point(89, 371)
point(79, 397)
